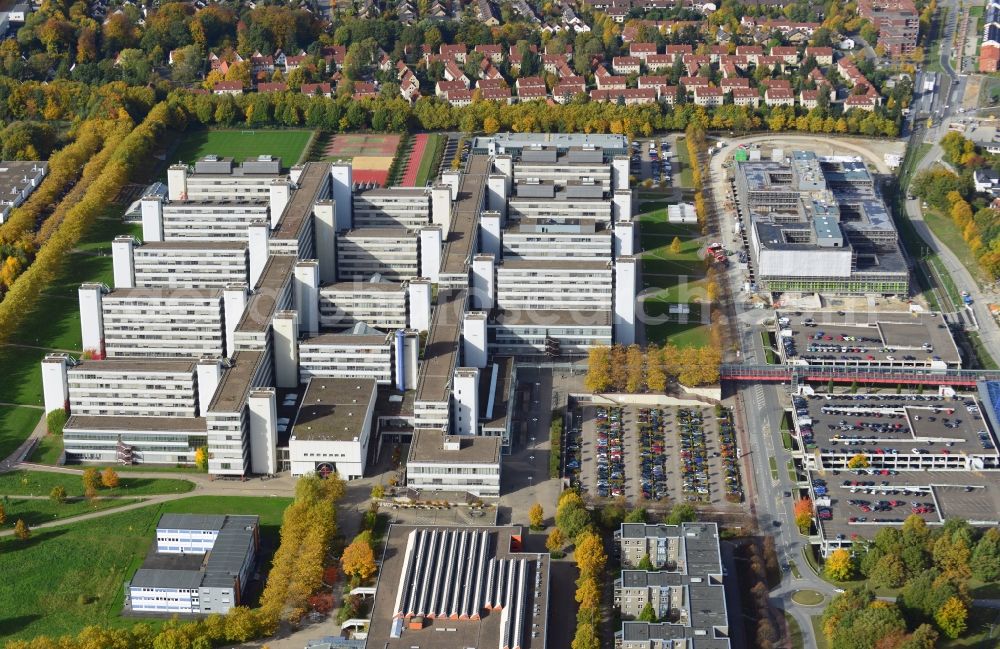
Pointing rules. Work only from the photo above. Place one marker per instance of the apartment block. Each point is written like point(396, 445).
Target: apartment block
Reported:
point(346, 356)
point(394, 207)
point(391, 253)
point(441, 462)
point(382, 305)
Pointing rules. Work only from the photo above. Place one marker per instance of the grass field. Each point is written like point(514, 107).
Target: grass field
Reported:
point(16, 423)
point(945, 230)
point(288, 145)
point(672, 278)
point(54, 324)
point(34, 511)
point(64, 578)
point(40, 483)
point(684, 161)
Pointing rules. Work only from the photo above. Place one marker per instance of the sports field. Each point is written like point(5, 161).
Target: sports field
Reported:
point(371, 155)
point(240, 145)
point(422, 159)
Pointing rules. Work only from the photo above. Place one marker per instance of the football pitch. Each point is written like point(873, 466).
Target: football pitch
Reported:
point(240, 145)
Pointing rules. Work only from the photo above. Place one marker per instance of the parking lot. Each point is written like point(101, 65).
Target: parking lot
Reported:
point(866, 339)
point(654, 160)
point(656, 456)
point(860, 503)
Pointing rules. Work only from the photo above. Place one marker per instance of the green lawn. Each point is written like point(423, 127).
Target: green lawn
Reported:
point(429, 161)
point(16, 423)
point(817, 624)
point(795, 640)
point(34, 511)
point(68, 577)
point(944, 229)
point(689, 334)
point(240, 145)
point(684, 162)
point(40, 483)
point(774, 467)
point(48, 450)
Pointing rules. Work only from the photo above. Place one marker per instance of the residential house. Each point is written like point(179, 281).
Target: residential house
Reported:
point(779, 97)
point(530, 93)
point(746, 97)
point(568, 88)
point(675, 51)
point(773, 63)
point(316, 89)
point(228, 88)
point(295, 61)
point(492, 52)
point(752, 52)
point(986, 180)
point(460, 97)
point(444, 88)
point(625, 65)
point(628, 96)
point(497, 94)
point(454, 73)
point(364, 90)
point(823, 55)
point(708, 96)
point(866, 101)
point(788, 53)
point(455, 52)
point(641, 50)
point(809, 99)
point(409, 87)
point(261, 64)
point(658, 62)
point(694, 82)
point(611, 83)
point(715, 52)
point(729, 83)
point(488, 14)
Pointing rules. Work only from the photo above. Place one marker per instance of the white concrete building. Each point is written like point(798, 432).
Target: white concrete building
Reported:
point(382, 305)
point(441, 462)
point(332, 429)
point(181, 263)
point(394, 207)
point(389, 252)
point(132, 388)
point(214, 178)
point(346, 356)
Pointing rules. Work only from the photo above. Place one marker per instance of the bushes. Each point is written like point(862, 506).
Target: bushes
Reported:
point(55, 421)
point(555, 443)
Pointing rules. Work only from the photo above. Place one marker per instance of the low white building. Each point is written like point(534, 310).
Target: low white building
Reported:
point(202, 565)
point(333, 427)
point(346, 356)
point(18, 180)
point(455, 463)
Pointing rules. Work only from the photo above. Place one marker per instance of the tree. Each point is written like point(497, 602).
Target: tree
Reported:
point(55, 421)
point(555, 541)
point(358, 561)
point(985, 561)
point(21, 530)
point(58, 494)
point(201, 458)
point(378, 492)
point(803, 514)
point(656, 377)
point(951, 555)
point(586, 637)
point(241, 624)
point(536, 517)
point(859, 461)
point(91, 481)
point(3, 514)
point(647, 614)
point(109, 478)
point(637, 515)
point(645, 564)
point(588, 593)
point(675, 246)
point(952, 618)
point(681, 513)
point(598, 369)
point(839, 565)
point(589, 554)
point(634, 365)
point(889, 572)
point(571, 517)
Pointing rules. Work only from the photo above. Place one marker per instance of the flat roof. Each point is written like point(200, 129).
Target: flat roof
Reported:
point(881, 335)
point(151, 293)
point(552, 318)
point(460, 243)
point(557, 264)
point(895, 425)
point(501, 391)
point(364, 287)
point(264, 299)
point(134, 365)
point(333, 410)
point(178, 424)
point(191, 521)
point(192, 244)
point(232, 392)
point(428, 447)
point(312, 182)
point(441, 348)
point(345, 338)
point(405, 547)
